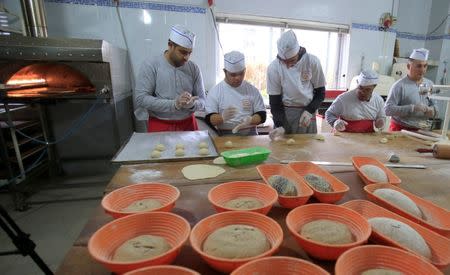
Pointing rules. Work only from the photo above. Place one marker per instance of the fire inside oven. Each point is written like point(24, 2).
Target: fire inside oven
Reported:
point(48, 80)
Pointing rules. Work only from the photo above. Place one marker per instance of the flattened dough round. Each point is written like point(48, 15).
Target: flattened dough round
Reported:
point(381, 271)
point(201, 171)
point(155, 154)
point(244, 203)
point(327, 231)
point(141, 247)
point(143, 205)
point(236, 241)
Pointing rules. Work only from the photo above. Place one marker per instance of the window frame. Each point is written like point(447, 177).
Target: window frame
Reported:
point(341, 29)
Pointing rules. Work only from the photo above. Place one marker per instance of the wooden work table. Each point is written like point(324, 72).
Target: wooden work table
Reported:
point(432, 184)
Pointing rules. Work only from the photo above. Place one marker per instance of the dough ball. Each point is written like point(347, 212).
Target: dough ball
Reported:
point(160, 147)
point(179, 152)
point(228, 144)
point(140, 248)
point(143, 205)
point(381, 271)
point(155, 154)
point(283, 186)
point(327, 231)
point(400, 200)
point(318, 182)
point(244, 203)
point(236, 241)
point(319, 137)
point(401, 233)
point(383, 140)
point(219, 160)
point(179, 146)
point(203, 145)
point(374, 173)
point(203, 151)
point(290, 141)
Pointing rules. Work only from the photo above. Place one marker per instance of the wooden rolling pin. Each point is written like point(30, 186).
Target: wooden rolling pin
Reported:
point(439, 150)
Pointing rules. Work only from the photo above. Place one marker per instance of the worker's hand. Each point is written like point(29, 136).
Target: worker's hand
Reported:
point(229, 113)
point(244, 123)
point(420, 108)
point(276, 133)
point(339, 125)
point(430, 112)
point(379, 123)
point(305, 119)
point(185, 101)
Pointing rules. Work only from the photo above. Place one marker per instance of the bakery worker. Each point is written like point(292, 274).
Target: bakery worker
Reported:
point(296, 86)
point(408, 102)
point(358, 110)
point(169, 87)
point(235, 106)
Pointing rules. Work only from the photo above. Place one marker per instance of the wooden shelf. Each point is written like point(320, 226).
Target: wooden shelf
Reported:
point(25, 140)
point(29, 153)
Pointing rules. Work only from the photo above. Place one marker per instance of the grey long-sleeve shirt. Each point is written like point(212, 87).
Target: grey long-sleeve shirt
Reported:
point(403, 95)
point(159, 84)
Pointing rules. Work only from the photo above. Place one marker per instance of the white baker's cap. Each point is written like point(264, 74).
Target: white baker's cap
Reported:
point(367, 78)
point(288, 45)
point(182, 36)
point(420, 54)
point(234, 62)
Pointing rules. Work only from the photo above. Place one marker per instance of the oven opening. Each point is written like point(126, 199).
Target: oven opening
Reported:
point(48, 79)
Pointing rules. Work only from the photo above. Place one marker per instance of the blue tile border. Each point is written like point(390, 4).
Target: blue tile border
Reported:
point(404, 35)
point(133, 5)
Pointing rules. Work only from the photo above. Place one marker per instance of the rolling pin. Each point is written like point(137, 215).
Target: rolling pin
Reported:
point(439, 150)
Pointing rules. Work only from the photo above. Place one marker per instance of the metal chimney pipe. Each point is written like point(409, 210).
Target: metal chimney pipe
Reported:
point(34, 18)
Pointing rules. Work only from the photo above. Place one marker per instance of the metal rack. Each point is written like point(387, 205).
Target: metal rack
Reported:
point(21, 156)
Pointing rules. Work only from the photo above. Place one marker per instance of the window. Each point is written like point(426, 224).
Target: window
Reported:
point(258, 42)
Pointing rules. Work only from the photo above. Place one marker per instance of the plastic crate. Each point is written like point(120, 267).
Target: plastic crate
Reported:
point(252, 155)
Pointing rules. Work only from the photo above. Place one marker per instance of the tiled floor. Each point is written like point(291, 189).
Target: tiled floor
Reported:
point(53, 226)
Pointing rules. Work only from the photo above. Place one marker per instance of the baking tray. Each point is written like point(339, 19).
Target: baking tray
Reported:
point(140, 146)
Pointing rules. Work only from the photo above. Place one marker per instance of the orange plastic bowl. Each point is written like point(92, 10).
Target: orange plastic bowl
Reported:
point(438, 219)
point(163, 270)
point(280, 266)
point(302, 215)
point(360, 161)
point(108, 238)
point(359, 259)
point(225, 192)
point(339, 188)
point(210, 224)
point(439, 245)
point(114, 202)
point(304, 192)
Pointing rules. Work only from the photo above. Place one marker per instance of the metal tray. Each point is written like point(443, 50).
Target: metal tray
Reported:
point(140, 146)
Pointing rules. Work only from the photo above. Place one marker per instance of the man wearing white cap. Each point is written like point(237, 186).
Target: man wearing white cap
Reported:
point(408, 101)
point(235, 106)
point(296, 86)
point(169, 87)
point(358, 110)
